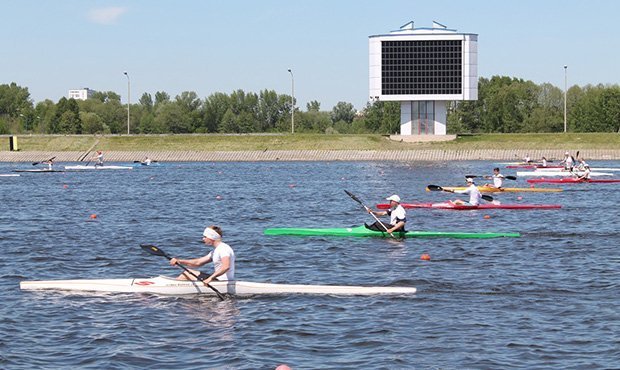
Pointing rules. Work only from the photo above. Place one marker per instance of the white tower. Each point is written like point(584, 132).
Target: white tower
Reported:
point(423, 68)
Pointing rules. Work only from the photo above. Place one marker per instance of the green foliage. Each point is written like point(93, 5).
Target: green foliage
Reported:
point(343, 112)
point(504, 105)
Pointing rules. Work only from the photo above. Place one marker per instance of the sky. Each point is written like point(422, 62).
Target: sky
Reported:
point(210, 46)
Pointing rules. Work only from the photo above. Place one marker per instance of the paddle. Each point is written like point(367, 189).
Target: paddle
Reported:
point(488, 198)
point(36, 163)
point(158, 252)
point(368, 209)
point(509, 177)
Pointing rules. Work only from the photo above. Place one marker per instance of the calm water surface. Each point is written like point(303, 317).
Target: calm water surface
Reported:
point(547, 300)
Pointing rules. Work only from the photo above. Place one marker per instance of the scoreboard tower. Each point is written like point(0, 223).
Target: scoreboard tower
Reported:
point(423, 69)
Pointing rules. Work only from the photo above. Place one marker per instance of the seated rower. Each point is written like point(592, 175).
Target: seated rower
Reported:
point(498, 179)
point(585, 176)
point(398, 216)
point(472, 190)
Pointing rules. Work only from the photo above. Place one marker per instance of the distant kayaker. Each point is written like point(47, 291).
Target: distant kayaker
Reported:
point(498, 179)
point(49, 163)
point(585, 175)
point(527, 159)
point(581, 166)
point(543, 162)
point(568, 162)
point(398, 216)
point(98, 158)
point(147, 161)
point(222, 255)
point(472, 190)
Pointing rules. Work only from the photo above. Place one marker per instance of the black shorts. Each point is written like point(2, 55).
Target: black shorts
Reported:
point(204, 276)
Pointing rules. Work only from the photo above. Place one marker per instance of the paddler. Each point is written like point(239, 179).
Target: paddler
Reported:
point(498, 179)
point(49, 163)
point(222, 255)
point(585, 176)
point(98, 158)
point(398, 216)
point(472, 190)
point(568, 162)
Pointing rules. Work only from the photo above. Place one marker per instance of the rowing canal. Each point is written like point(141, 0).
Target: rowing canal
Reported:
point(547, 300)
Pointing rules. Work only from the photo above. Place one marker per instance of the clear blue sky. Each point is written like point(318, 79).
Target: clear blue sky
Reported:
point(211, 46)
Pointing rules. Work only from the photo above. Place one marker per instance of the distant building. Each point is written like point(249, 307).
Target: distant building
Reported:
point(423, 68)
point(81, 94)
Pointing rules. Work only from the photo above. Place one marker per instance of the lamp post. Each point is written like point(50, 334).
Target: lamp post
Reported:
point(128, 98)
point(292, 101)
point(565, 91)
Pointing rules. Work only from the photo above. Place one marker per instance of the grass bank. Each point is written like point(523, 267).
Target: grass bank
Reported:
point(220, 142)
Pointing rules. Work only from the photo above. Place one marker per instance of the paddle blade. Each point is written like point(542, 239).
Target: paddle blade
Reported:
point(434, 188)
point(511, 177)
point(471, 176)
point(153, 250)
point(353, 197)
point(487, 198)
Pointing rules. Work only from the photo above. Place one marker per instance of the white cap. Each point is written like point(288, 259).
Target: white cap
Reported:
point(211, 234)
point(469, 179)
point(394, 197)
point(567, 153)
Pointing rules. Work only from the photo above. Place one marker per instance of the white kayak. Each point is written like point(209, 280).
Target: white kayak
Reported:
point(610, 169)
point(170, 286)
point(104, 167)
point(560, 173)
point(8, 175)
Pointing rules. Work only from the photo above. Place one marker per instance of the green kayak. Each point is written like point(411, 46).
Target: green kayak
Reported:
point(363, 231)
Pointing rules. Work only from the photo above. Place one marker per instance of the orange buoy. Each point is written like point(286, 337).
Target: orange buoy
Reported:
point(93, 216)
point(65, 186)
point(425, 257)
point(519, 198)
point(291, 185)
point(218, 197)
point(486, 217)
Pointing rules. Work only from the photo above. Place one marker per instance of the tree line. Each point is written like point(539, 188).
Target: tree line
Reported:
point(504, 105)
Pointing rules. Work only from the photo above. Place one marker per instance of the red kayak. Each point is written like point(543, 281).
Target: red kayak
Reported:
point(450, 205)
point(571, 180)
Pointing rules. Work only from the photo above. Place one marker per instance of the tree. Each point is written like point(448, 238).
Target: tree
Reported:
point(66, 119)
point(147, 102)
point(313, 106)
point(343, 112)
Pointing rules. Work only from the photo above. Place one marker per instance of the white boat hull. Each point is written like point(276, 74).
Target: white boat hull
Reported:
point(559, 173)
point(8, 175)
point(170, 286)
point(105, 167)
point(609, 169)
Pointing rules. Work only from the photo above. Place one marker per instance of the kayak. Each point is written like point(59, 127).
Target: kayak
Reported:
point(532, 166)
point(571, 180)
point(488, 189)
point(171, 286)
point(450, 205)
point(8, 175)
point(362, 231)
point(560, 173)
point(611, 169)
point(38, 170)
point(106, 167)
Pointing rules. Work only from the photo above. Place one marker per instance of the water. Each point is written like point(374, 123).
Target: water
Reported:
point(547, 300)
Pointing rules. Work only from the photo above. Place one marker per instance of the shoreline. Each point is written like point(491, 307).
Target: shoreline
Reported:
point(311, 155)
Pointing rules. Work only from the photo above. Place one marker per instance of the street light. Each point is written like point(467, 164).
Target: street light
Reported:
point(565, 67)
point(128, 99)
point(292, 101)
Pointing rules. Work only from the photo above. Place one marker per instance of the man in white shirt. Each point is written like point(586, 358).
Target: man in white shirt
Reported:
point(472, 190)
point(222, 255)
point(398, 216)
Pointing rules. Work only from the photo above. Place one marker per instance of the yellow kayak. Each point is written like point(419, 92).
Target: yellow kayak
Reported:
point(488, 189)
